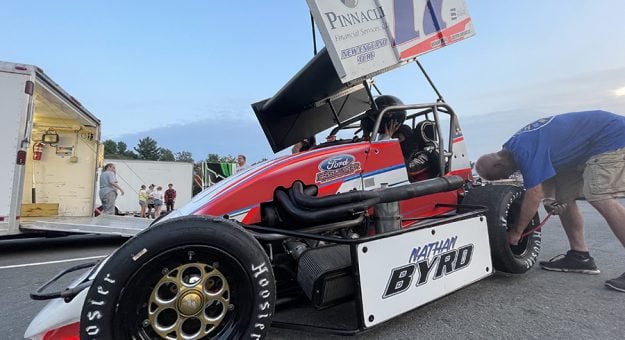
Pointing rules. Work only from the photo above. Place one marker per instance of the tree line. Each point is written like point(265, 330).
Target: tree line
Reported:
point(147, 149)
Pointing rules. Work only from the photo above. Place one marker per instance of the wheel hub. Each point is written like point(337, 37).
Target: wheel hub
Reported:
point(189, 302)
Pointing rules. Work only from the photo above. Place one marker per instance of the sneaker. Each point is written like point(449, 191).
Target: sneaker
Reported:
point(571, 263)
point(617, 284)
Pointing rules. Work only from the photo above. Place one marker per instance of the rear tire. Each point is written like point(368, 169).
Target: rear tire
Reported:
point(193, 277)
point(504, 204)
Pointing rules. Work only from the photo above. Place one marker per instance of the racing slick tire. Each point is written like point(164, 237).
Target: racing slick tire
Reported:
point(504, 204)
point(192, 277)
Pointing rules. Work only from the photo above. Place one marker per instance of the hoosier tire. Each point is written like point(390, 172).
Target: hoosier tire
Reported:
point(192, 277)
point(503, 203)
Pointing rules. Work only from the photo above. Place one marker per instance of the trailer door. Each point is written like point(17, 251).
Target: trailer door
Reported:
point(15, 104)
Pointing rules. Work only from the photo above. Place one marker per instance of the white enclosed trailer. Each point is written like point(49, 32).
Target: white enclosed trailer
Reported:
point(51, 153)
point(131, 174)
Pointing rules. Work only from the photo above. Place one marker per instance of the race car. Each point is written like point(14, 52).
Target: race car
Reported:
point(351, 219)
point(384, 220)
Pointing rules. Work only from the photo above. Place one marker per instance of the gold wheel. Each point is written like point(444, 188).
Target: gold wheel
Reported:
point(189, 302)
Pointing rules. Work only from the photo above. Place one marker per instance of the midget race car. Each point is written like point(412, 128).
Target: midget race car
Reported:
point(384, 223)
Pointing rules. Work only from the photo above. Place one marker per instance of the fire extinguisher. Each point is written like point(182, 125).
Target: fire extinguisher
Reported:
point(37, 151)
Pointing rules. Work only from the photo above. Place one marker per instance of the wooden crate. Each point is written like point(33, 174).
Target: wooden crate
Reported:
point(39, 209)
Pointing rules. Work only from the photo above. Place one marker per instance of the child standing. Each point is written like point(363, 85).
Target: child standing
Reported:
point(143, 199)
point(151, 192)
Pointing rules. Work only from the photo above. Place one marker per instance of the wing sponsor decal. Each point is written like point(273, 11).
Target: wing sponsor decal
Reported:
point(337, 167)
point(441, 258)
point(365, 37)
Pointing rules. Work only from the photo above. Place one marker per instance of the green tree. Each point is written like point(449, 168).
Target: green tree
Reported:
point(117, 150)
point(110, 148)
point(227, 159)
point(183, 156)
point(212, 158)
point(262, 160)
point(148, 149)
point(216, 158)
point(166, 155)
point(122, 148)
point(124, 153)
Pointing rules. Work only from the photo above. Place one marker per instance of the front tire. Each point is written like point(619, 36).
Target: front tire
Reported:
point(504, 204)
point(192, 277)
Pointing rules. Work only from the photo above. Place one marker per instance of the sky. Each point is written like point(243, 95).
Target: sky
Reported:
point(148, 66)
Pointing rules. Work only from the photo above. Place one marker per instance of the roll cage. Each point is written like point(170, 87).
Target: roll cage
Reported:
point(428, 111)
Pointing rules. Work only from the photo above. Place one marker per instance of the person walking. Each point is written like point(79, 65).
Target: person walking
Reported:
point(108, 189)
point(170, 197)
point(143, 199)
point(563, 158)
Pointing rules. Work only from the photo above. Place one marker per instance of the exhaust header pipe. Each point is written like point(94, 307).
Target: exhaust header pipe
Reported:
point(310, 209)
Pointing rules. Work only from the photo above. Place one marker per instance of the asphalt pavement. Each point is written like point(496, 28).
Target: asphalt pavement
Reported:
point(536, 305)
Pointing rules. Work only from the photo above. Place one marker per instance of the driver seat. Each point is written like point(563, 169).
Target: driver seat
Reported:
point(423, 162)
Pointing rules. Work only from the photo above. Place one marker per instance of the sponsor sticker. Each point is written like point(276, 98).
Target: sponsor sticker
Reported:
point(401, 272)
point(336, 167)
point(440, 257)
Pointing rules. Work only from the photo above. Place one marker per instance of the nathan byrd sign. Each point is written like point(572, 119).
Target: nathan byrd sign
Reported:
point(368, 37)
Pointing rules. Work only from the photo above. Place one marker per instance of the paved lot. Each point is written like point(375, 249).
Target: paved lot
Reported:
point(537, 305)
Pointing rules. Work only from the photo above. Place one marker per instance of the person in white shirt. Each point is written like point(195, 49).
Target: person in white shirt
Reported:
point(158, 201)
point(241, 166)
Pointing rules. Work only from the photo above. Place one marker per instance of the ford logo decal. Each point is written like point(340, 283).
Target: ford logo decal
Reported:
point(336, 162)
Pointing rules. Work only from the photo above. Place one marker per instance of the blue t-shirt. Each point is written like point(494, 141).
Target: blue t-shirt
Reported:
point(551, 144)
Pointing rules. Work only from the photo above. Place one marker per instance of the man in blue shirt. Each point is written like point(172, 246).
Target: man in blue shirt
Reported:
point(562, 158)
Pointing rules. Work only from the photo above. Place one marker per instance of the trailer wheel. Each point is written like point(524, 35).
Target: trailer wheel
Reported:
point(193, 277)
point(504, 204)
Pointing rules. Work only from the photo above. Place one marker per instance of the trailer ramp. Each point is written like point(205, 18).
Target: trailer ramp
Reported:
point(103, 225)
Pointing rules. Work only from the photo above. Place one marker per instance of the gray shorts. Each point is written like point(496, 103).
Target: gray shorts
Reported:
point(108, 202)
point(601, 177)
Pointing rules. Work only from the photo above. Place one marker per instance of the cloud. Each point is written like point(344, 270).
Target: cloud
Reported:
point(223, 136)
point(232, 128)
point(619, 92)
point(137, 115)
point(487, 132)
point(580, 92)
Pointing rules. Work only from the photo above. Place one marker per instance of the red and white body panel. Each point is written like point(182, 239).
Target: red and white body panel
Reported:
point(367, 166)
point(460, 162)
